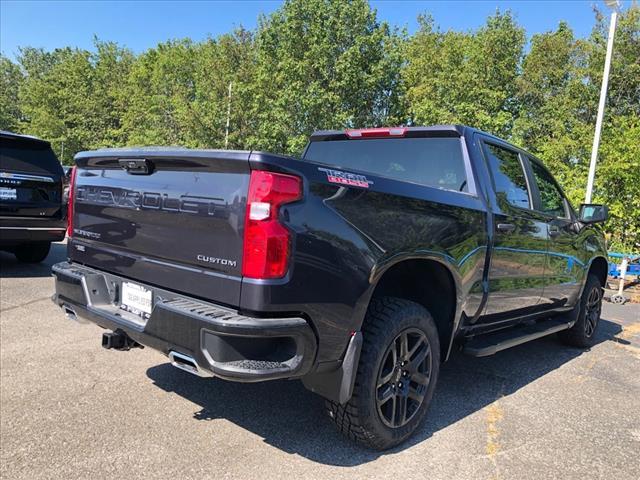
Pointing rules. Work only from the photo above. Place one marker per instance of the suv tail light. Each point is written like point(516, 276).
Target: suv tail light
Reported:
point(70, 199)
point(267, 243)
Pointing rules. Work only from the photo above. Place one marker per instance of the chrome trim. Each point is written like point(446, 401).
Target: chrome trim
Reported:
point(33, 228)
point(24, 176)
point(187, 363)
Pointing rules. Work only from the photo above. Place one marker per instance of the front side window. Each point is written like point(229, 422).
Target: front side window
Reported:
point(551, 199)
point(508, 176)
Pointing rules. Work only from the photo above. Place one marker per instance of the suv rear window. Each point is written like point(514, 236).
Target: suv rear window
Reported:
point(434, 162)
point(30, 157)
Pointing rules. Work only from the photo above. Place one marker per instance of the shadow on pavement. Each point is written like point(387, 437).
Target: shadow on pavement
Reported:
point(292, 419)
point(10, 267)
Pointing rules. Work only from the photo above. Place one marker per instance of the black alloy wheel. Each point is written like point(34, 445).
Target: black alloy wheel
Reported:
point(403, 378)
point(593, 308)
point(583, 332)
point(397, 375)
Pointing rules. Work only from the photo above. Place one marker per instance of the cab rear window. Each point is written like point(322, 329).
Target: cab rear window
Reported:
point(18, 155)
point(433, 162)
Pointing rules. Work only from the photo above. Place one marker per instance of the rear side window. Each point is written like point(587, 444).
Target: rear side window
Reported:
point(551, 199)
point(30, 157)
point(434, 162)
point(508, 176)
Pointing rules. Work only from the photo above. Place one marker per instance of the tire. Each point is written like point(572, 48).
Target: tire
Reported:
point(389, 321)
point(618, 299)
point(582, 334)
point(32, 252)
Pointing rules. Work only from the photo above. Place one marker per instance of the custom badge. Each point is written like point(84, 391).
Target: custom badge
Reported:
point(346, 178)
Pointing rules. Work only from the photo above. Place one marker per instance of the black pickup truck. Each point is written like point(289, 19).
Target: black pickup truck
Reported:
point(357, 268)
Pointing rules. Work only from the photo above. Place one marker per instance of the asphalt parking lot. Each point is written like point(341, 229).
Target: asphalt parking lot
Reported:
point(70, 409)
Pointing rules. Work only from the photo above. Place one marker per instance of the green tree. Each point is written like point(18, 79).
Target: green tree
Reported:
point(160, 91)
point(11, 78)
point(73, 97)
point(558, 92)
point(321, 64)
point(624, 81)
point(617, 181)
point(470, 77)
point(110, 69)
point(55, 97)
point(229, 59)
point(552, 96)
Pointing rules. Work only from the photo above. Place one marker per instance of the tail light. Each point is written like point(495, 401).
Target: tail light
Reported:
point(70, 199)
point(377, 132)
point(267, 243)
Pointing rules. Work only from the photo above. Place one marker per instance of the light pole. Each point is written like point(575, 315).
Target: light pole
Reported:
point(613, 5)
point(226, 133)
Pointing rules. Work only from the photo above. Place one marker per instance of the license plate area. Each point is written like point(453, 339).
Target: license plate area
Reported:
point(136, 299)
point(8, 193)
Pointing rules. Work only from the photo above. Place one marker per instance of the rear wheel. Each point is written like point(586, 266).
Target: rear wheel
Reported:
point(32, 252)
point(397, 374)
point(582, 334)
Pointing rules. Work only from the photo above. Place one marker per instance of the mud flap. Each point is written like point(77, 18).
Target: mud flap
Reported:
point(337, 385)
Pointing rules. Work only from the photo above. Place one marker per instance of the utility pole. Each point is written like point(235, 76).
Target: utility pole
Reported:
point(226, 134)
point(62, 153)
point(614, 5)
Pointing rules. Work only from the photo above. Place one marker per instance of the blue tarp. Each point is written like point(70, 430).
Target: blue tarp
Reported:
point(633, 267)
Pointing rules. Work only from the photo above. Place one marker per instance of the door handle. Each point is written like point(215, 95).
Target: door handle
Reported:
point(553, 230)
point(506, 227)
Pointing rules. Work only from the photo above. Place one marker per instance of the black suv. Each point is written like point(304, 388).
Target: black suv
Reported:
point(32, 214)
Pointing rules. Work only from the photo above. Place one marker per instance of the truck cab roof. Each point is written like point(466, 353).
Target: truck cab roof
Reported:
point(452, 130)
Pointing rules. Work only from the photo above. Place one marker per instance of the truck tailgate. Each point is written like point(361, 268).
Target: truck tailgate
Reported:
point(170, 218)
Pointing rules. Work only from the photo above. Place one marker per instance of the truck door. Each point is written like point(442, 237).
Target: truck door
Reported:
point(563, 268)
point(516, 273)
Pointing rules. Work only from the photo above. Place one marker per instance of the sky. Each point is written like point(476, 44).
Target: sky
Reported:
point(140, 25)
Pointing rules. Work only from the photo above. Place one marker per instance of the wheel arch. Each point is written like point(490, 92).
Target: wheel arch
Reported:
point(427, 280)
point(599, 266)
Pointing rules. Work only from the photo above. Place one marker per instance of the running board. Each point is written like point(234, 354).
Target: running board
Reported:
point(491, 343)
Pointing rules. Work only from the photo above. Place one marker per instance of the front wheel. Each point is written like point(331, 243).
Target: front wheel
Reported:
point(582, 334)
point(397, 374)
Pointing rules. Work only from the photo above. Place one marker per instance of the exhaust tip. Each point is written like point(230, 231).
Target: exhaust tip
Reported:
point(187, 363)
point(70, 313)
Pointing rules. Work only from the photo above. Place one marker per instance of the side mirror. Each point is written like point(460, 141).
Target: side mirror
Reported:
point(593, 213)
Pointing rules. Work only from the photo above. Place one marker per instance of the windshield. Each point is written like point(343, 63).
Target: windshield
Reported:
point(434, 162)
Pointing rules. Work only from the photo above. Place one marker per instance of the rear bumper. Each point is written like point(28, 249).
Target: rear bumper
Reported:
point(222, 341)
point(19, 230)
